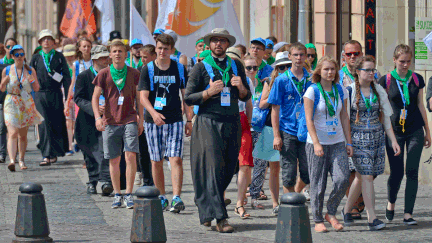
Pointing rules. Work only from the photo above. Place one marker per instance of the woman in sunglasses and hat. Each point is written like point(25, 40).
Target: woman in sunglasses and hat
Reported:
point(7, 59)
point(19, 108)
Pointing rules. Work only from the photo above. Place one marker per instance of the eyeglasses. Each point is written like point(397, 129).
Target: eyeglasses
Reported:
point(311, 55)
point(256, 48)
point(216, 40)
point(369, 70)
point(349, 54)
point(19, 54)
point(255, 68)
point(283, 67)
point(298, 55)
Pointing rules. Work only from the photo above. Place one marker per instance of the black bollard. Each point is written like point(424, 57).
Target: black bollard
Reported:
point(148, 222)
point(293, 220)
point(31, 224)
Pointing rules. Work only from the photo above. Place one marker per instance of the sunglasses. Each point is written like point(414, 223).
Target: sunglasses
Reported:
point(255, 68)
point(19, 54)
point(311, 55)
point(283, 67)
point(350, 54)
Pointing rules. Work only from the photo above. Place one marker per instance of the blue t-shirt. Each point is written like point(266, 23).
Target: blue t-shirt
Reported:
point(284, 93)
point(265, 72)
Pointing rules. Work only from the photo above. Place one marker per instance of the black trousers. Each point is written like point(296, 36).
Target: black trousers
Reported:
point(3, 132)
point(214, 156)
point(97, 166)
point(144, 163)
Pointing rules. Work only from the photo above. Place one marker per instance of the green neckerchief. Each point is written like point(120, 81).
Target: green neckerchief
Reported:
point(47, 57)
point(404, 82)
point(260, 84)
point(270, 60)
point(71, 72)
point(225, 73)
point(176, 53)
point(347, 72)
point(140, 63)
point(299, 84)
point(8, 61)
point(368, 101)
point(119, 76)
point(330, 108)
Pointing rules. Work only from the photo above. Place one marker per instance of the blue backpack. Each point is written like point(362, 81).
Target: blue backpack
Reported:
point(209, 70)
point(150, 67)
point(302, 127)
point(8, 70)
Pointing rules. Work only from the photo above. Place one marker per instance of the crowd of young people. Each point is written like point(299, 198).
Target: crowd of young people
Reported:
point(274, 105)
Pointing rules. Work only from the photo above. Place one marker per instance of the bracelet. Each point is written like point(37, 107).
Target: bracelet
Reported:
point(348, 144)
point(34, 80)
point(98, 118)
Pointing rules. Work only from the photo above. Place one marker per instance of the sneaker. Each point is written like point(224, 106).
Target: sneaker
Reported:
point(70, 153)
point(128, 201)
point(389, 215)
point(306, 194)
point(76, 148)
point(347, 218)
point(376, 225)
point(410, 221)
point(177, 205)
point(117, 201)
point(164, 202)
point(275, 211)
point(138, 178)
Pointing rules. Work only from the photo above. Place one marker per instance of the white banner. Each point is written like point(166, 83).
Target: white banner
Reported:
point(192, 19)
point(106, 7)
point(138, 28)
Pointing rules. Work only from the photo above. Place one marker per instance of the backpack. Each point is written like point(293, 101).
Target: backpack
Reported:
point(209, 70)
point(150, 67)
point(388, 80)
point(302, 128)
point(259, 116)
point(8, 70)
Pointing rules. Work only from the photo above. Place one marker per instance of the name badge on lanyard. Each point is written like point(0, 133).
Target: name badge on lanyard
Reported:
point(299, 105)
point(160, 102)
point(331, 126)
point(226, 97)
point(403, 112)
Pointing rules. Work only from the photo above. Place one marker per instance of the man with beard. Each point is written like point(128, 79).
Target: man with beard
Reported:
point(136, 62)
point(216, 84)
point(88, 138)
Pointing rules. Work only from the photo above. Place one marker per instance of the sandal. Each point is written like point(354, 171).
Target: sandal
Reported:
point(11, 166)
point(256, 205)
point(244, 215)
point(361, 207)
point(262, 196)
point(355, 213)
point(45, 162)
point(52, 161)
point(22, 165)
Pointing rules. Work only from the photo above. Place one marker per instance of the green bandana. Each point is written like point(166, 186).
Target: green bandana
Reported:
point(225, 73)
point(199, 41)
point(175, 53)
point(368, 101)
point(8, 61)
point(404, 82)
point(347, 72)
point(259, 86)
point(119, 76)
point(71, 72)
point(270, 60)
point(299, 84)
point(335, 95)
point(47, 58)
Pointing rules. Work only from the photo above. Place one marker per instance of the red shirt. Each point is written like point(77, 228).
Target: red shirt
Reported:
point(118, 114)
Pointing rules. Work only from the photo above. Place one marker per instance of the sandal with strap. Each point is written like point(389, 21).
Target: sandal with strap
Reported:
point(22, 165)
point(262, 196)
point(244, 215)
point(11, 166)
point(256, 205)
point(355, 213)
point(45, 162)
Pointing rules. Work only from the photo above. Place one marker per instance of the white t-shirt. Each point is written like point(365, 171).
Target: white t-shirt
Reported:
point(242, 104)
point(84, 65)
point(322, 118)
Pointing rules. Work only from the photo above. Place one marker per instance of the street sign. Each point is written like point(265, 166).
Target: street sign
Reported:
point(423, 57)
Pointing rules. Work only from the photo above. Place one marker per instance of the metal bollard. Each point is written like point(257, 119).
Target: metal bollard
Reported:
point(31, 224)
point(148, 222)
point(293, 220)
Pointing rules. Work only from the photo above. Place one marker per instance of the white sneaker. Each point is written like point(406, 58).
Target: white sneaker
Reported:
point(138, 178)
point(306, 194)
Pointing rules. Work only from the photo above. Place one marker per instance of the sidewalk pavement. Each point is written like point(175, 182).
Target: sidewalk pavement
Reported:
point(75, 216)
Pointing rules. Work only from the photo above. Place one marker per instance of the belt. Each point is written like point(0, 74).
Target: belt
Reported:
point(15, 94)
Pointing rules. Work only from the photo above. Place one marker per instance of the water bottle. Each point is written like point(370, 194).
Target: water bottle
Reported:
point(101, 100)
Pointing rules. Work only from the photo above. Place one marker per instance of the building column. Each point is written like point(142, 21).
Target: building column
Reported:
point(325, 27)
point(261, 22)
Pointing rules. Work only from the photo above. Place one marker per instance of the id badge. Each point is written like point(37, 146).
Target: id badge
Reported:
point(57, 77)
point(159, 103)
point(225, 97)
point(298, 110)
point(331, 127)
point(403, 114)
point(120, 100)
point(24, 95)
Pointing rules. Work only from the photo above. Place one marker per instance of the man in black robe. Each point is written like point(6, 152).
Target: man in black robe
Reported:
point(52, 72)
point(88, 138)
point(216, 135)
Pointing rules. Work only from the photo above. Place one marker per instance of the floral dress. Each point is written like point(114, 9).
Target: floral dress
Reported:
point(20, 110)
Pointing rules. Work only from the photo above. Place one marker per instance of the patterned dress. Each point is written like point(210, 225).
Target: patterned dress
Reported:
point(368, 143)
point(20, 112)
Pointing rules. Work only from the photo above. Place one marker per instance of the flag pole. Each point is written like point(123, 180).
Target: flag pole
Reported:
point(130, 29)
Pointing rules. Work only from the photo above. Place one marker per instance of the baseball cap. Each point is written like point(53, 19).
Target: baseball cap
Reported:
point(258, 40)
point(136, 42)
point(269, 44)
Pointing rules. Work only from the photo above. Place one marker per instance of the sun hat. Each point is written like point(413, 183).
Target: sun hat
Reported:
point(44, 33)
point(259, 40)
point(69, 50)
point(282, 58)
point(233, 52)
point(279, 45)
point(16, 47)
point(99, 51)
point(219, 32)
point(269, 44)
point(136, 42)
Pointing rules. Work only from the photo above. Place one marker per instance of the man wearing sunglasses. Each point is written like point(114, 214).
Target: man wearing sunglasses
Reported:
point(351, 51)
point(258, 50)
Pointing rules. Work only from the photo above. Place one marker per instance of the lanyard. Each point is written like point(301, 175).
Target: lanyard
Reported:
point(304, 89)
point(334, 104)
point(370, 99)
point(85, 67)
point(401, 93)
point(94, 71)
point(43, 57)
point(22, 75)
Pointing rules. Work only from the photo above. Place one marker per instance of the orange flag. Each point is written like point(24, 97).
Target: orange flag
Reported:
point(75, 18)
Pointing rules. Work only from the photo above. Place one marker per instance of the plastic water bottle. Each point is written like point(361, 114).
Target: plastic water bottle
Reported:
point(101, 100)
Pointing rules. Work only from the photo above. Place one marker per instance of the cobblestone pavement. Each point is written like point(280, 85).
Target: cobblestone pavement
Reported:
point(75, 216)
